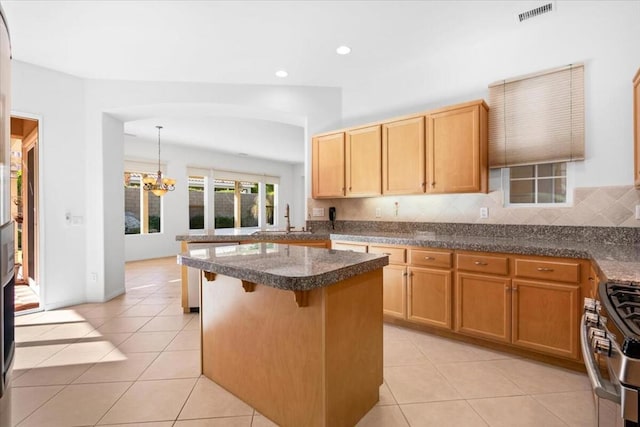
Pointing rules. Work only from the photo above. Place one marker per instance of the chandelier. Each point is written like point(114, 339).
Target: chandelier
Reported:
point(157, 184)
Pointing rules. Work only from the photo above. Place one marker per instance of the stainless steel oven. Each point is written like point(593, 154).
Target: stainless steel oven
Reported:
point(610, 338)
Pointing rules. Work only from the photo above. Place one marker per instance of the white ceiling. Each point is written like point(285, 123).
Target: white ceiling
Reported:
point(243, 42)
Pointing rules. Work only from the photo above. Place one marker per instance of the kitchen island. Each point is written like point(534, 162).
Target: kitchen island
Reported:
point(295, 332)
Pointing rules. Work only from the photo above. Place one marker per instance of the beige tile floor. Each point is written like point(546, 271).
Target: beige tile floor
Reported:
point(134, 361)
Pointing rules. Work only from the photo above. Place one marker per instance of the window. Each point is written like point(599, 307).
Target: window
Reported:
point(270, 203)
point(536, 184)
point(237, 203)
point(142, 209)
point(196, 202)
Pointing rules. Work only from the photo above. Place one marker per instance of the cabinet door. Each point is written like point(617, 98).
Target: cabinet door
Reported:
point(328, 166)
point(394, 285)
point(363, 157)
point(429, 297)
point(403, 160)
point(636, 126)
point(457, 150)
point(545, 317)
point(483, 306)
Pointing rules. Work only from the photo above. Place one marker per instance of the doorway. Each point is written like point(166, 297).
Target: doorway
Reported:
point(24, 209)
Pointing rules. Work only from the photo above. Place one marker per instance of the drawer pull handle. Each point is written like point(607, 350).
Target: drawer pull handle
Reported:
point(544, 269)
point(429, 258)
point(480, 263)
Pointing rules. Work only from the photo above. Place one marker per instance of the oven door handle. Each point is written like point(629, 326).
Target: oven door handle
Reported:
point(601, 387)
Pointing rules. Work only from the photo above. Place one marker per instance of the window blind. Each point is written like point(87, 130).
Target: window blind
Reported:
point(538, 118)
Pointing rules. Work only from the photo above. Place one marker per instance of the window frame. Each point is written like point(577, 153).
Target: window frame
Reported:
point(144, 208)
point(506, 189)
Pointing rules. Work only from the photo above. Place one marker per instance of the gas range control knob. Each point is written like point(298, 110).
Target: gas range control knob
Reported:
point(591, 305)
point(594, 319)
point(601, 345)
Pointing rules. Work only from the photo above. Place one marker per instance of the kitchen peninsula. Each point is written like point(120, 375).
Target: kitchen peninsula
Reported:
point(295, 332)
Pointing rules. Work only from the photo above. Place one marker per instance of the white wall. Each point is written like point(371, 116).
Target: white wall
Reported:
point(58, 99)
point(175, 205)
point(603, 35)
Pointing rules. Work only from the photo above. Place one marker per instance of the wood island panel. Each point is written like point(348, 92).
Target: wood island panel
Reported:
point(319, 365)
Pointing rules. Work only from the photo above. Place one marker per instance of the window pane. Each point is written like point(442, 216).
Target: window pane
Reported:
point(559, 169)
point(154, 212)
point(196, 202)
point(522, 192)
point(131, 203)
point(522, 172)
point(545, 191)
point(545, 170)
point(224, 193)
point(270, 203)
point(249, 204)
point(560, 194)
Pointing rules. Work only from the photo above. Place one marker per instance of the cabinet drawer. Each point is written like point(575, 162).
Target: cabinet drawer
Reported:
point(396, 255)
point(548, 270)
point(355, 247)
point(431, 258)
point(483, 263)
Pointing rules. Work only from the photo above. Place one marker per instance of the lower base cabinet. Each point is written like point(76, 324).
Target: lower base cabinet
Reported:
point(429, 297)
point(394, 294)
point(483, 306)
point(544, 317)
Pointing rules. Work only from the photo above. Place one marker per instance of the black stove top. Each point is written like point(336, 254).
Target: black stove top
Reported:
point(622, 303)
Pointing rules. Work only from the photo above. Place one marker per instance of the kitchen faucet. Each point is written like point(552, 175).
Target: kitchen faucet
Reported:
point(286, 215)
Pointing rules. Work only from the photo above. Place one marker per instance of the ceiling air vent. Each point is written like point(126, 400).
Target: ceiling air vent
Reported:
point(540, 10)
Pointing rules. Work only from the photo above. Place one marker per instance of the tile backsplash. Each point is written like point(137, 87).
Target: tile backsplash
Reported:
point(597, 206)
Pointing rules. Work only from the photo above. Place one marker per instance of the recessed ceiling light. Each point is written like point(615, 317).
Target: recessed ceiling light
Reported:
point(343, 50)
point(281, 73)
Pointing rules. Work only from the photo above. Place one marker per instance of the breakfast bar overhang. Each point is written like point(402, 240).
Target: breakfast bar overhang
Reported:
point(295, 332)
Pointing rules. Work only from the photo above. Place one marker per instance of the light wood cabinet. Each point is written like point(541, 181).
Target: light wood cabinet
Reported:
point(394, 282)
point(363, 162)
point(349, 246)
point(483, 306)
point(429, 296)
point(394, 296)
point(457, 150)
point(545, 317)
point(328, 166)
point(403, 159)
point(636, 127)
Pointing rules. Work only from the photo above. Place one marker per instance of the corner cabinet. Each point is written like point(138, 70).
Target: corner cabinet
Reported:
point(636, 127)
point(328, 166)
point(457, 149)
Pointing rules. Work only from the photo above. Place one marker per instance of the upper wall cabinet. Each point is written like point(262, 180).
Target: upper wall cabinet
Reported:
point(457, 149)
point(636, 126)
point(328, 166)
point(363, 162)
point(403, 160)
point(439, 151)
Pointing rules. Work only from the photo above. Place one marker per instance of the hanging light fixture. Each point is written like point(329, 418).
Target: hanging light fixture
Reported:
point(157, 184)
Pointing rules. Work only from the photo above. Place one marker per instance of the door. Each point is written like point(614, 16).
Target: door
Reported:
point(403, 160)
point(554, 329)
point(30, 210)
point(454, 151)
point(363, 156)
point(483, 305)
point(328, 166)
point(430, 297)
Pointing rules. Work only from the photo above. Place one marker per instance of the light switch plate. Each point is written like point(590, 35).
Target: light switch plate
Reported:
point(378, 213)
point(317, 212)
point(484, 212)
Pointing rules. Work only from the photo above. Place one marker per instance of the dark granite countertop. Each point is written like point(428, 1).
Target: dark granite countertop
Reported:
point(285, 267)
point(618, 263)
point(251, 234)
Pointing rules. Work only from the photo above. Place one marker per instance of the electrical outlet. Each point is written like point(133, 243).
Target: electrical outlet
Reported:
point(317, 212)
point(484, 212)
point(378, 213)
point(93, 277)
point(637, 211)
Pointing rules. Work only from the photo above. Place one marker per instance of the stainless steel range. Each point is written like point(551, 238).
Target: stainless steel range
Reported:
point(611, 343)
